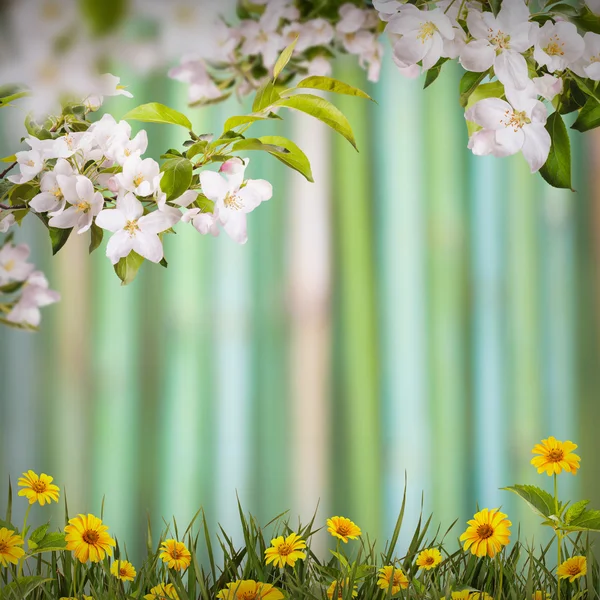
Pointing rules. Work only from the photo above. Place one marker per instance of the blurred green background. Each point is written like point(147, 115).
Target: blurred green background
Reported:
point(417, 311)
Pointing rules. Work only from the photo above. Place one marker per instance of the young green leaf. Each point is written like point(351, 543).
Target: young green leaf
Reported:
point(265, 96)
point(58, 238)
point(328, 84)
point(434, 72)
point(293, 158)
point(557, 169)
point(323, 110)
point(468, 84)
point(588, 520)
point(284, 59)
point(158, 113)
point(575, 510)
point(127, 268)
point(588, 117)
point(256, 144)
point(177, 177)
point(234, 122)
point(96, 239)
point(540, 501)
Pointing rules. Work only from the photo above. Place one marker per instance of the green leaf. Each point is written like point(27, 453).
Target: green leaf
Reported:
point(103, 16)
point(575, 510)
point(197, 148)
point(557, 169)
point(234, 122)
point(177, 177)
point(265, 96)
point(9, 159)
point(21, 587)
point(6, 100)
point(8, 526)
point(328, 84)
point(586, 20)
point(11, 288)
point(39, 534)
point(97, 235)
point(204, 204)
point(323, 110)
point(51, 542)
point(434, 72)
point(540, 501)
point(58, 237)
point(588, 117)
point(468, 84)
point(284, 59)
point(588, 520)
point(294, 157)
point(256, 144)
point(586, 86)
point(127, 268)
point(158, 113)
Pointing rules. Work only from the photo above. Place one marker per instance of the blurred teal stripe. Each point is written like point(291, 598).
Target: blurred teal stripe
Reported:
point(487, 250)
point(402, 293)
point(447, 269)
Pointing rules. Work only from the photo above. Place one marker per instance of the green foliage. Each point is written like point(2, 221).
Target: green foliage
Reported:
point(557, 170)
point(284, 59)
point(468, 84)
point(127, 268)
point(102, 17)
point(177, 177)
point(155, 112)
point(540, 501)
point(328, 84)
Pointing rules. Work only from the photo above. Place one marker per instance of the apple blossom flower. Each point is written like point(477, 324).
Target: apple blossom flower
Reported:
point(203, 222)
point(547, 86)
point(319, 65)
point(121, 147)
point(320, 32)
point(35, 293)
point(276, 11)
point(261, 40)
point(233, 196)
point(192, 71)
point(387, 8)
point(107, 129)
point(85, 203)
point(423, 35)
point(140, 176)
point(499, 42)
point(510, 127)
point(352, 18)
point(558, 46)
point(51, 198)
point(13, 263)
point(7, 220)
point(588, 64)
point(135, 231)
point(30, 163)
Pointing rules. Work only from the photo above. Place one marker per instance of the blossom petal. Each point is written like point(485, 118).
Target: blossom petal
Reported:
point(536, 146)
point(159, 220)
point(111, 219)
point(148, 245)
point(236, 227)
point(119, 245)
point(511, 69)
point(130, 206)
point(477, 56)
point(489, 113)
point(214, 187)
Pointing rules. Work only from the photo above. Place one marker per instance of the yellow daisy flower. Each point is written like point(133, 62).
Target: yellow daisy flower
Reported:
point(480, 596)
point(88, 538)
point(337, 589)
point(540, 595)
point(343, 528)
point(249, 589)
point(9, 547)
point(176, 555)
point(285, 551)
point(462, 595)
point(38, 488)
point(572, 568)
point(84, 597)
point(555, 457)
point(123, 570)
point(162, 591)
point(430, 558)
point(399, 579)
point(487, 532)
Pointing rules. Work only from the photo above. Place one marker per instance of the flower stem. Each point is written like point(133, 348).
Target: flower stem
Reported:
point(558, 538)
point(23, 532)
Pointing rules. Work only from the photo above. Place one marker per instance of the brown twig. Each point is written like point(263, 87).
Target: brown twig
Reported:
point(3, 174)
point(17, 207)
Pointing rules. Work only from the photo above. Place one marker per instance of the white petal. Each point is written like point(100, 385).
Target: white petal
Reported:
point(68, 188)
point(261, 187)
point(434, 53)
point(477, 27)
point(214, 187)
point(66, 219)
point(483, 142)
point(148, 245)
point(84, 222)
point(489, 113)
point(159, 220)
point(85, 188)
point(131, 207)
point(410, 51)
point(236, 227)
point(44, 202)
point(511, 69)
point(111, 219)
point(477, 56)
point(119, 245)
point(536, 146)
point(510, 140)
point(186, 198)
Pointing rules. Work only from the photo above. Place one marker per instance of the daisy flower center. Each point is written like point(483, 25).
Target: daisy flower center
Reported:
point(233, 202)
point(343, 529)
point(555, 47)
point(573, 569)
point(284, 549)
point(90, 536)
point(397, 577)
point(176, 554)
point(131, 227)
point(499, 39)
point(122, 571)
point(556, 455)
point(485, 531)
point(429, 560)
point(4, 548)
point(39, 487)
point(426, 31)
point(248, 595)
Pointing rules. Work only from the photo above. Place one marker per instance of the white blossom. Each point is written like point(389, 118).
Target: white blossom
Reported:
point(589, 63)
point(85, 203)
point(558, 46)
point(35, 293)
point(140, 176)
point(30, 163)
point(51, 198)
point(192, 71)
point(13, 263)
